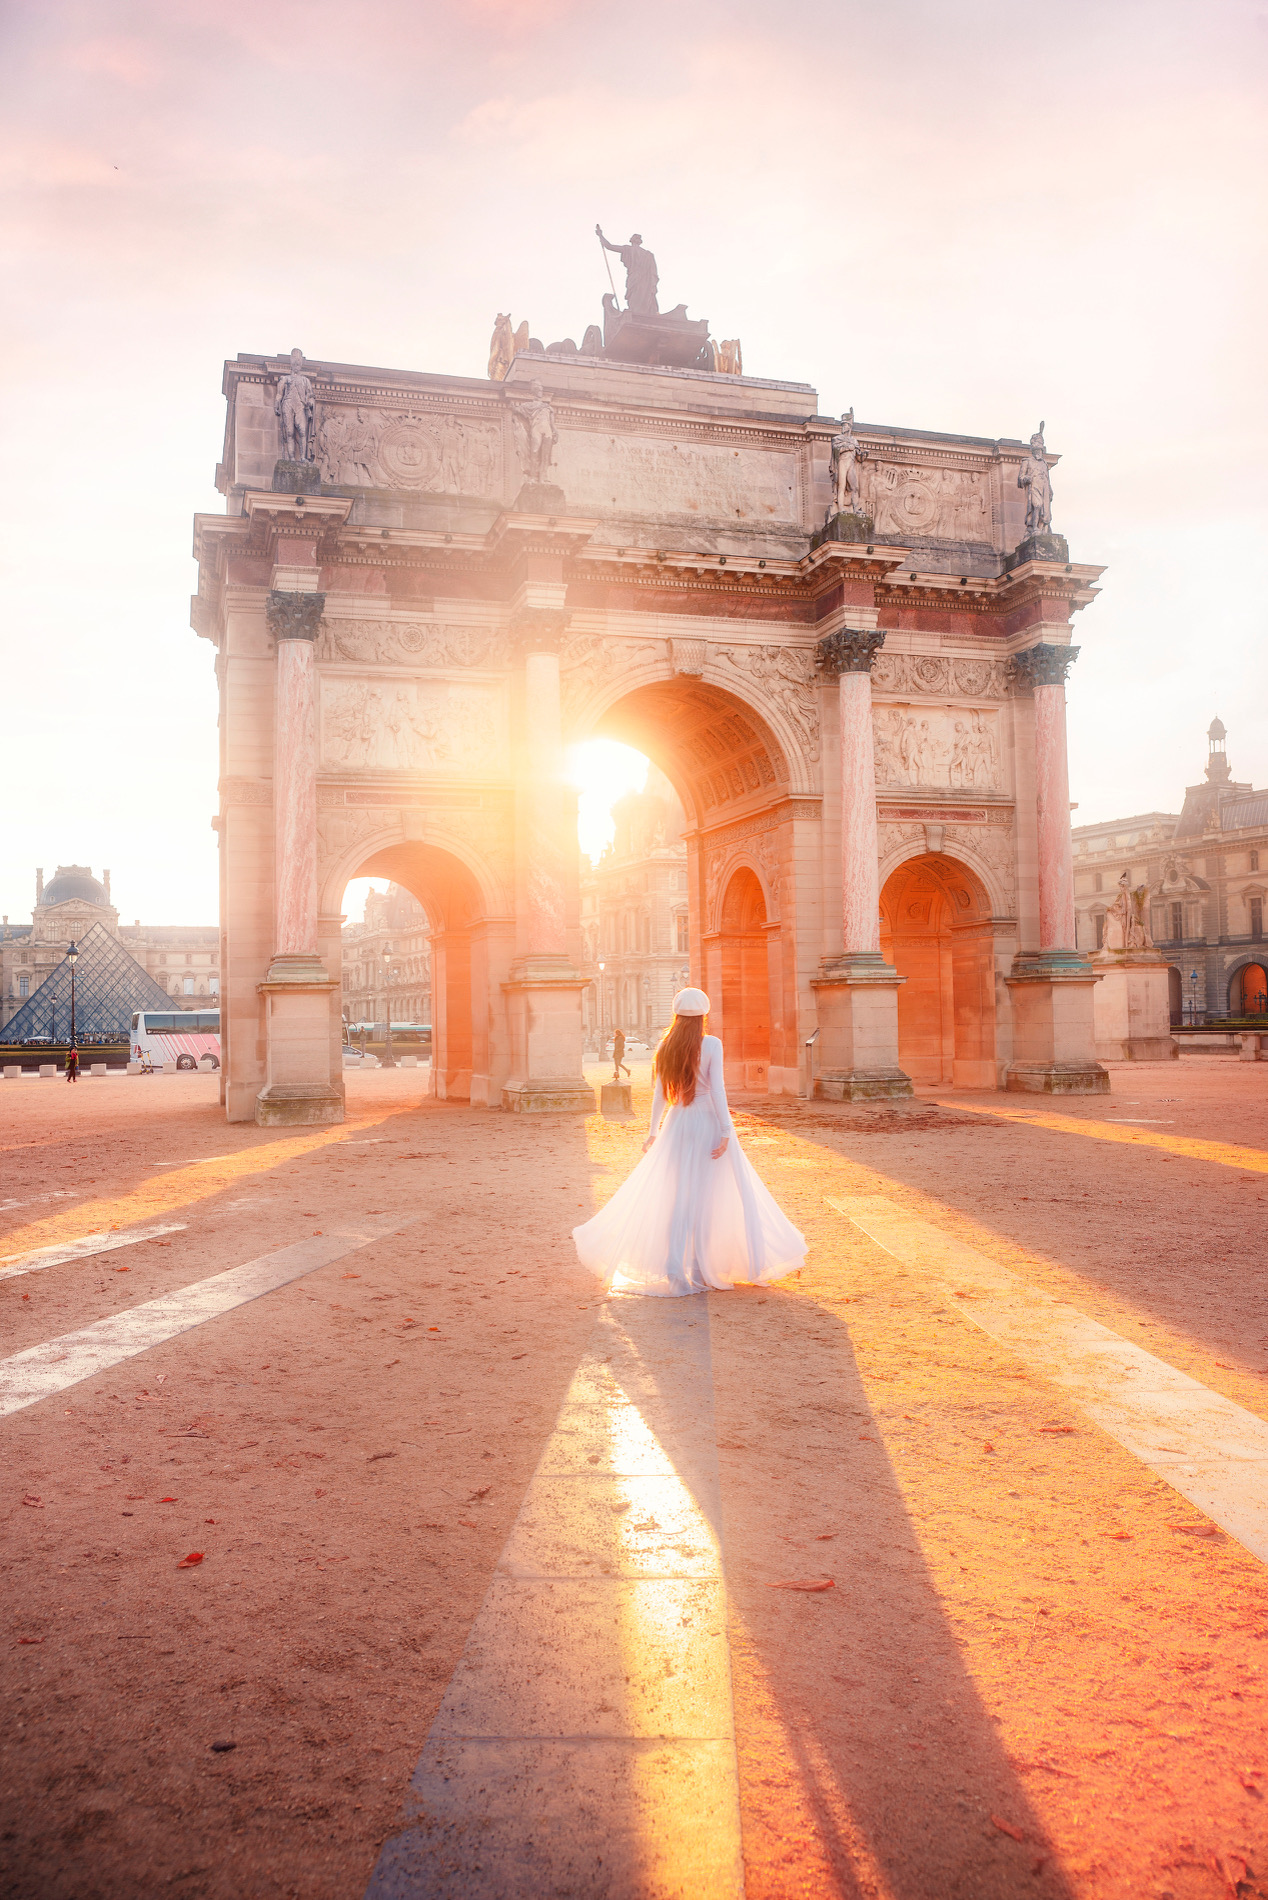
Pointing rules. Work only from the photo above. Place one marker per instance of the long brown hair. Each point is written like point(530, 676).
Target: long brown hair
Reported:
point(677, 1061)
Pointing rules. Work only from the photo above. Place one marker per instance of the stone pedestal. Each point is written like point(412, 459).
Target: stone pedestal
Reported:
point(857, 1003)
point(296, 478)
point(543, 1002)
point(1039, 547)
point(1132, 1007)
point(852, 529)
point(1053, 1026)
point(616, 1100)
point(541, 498)
point(297, 1088)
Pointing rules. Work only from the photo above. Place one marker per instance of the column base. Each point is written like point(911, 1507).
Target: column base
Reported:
point(857, 997)
point(1054, 1033)
point(297, 1105)
point(863, 1085)
point(543, 1000)
point(542, 1096)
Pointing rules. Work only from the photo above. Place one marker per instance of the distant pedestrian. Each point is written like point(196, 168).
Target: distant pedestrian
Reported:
point(618, 1055)
point(72, 1066)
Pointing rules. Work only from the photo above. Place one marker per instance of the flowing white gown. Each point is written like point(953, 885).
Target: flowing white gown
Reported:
point(683, 1222)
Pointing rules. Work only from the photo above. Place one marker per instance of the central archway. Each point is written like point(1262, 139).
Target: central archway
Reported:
point(749, 788)
point(936, 930)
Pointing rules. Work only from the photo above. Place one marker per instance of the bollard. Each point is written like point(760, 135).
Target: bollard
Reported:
point(97, 1068)
point(1249, 1048)
point(409, 1062)
point(134, 1068)
point(47, 1069)
point(169, 1068)
point(12, 1071)
point(616, 1100)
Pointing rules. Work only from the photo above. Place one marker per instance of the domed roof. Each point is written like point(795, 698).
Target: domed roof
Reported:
point(75, 883)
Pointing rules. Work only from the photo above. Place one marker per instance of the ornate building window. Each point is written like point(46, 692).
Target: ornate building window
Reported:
point(682, 929)
point(1255, 905)
point(1254, 860)
point(1177, 922)
point(24, 986)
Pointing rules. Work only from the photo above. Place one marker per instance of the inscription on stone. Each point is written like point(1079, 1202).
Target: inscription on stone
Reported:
point(640, 476)
point(431, 453)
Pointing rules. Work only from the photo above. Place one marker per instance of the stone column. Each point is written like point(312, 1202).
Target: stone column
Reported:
point(858, 991)
point(298, 988)
point(1054, 1040)
point(544, 990)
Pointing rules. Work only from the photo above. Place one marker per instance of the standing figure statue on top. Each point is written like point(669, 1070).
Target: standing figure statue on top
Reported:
point(535, 427)
point(843, 472)
point(641, 276)
point(1035, 477)
point(294, 409)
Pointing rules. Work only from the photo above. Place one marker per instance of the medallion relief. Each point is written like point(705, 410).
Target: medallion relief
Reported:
point(938, 673)
point(952, 746)
point(932, 504)
point(428, 452)
point(411, 725)
point(589, 662)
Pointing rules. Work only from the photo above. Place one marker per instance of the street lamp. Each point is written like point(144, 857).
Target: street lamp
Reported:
point(72, 957)
point(389, 1060)
point(1193, 997)
point(602, 1015)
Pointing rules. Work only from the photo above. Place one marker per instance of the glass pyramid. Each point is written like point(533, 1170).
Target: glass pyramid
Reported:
point(109, 986)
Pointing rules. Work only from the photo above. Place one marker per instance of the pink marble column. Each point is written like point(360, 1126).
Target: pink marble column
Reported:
point(1046, 668)
point(294, 620)
point(850, 655)
point(546, 919)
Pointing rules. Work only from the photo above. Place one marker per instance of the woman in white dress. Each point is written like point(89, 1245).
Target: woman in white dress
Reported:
point(694, 1214)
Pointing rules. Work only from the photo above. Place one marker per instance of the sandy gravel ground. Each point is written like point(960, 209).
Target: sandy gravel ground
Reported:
point(1039, 1670)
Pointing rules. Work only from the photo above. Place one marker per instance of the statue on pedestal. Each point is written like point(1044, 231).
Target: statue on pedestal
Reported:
point(641, 275)
point(1035, 477)
point(1127, 918)
point(294, 409)
point(501, 347)
point(847, 453)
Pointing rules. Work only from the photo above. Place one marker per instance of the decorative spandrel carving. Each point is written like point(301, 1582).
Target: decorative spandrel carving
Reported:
point(588, 663)
point(412, 725)
point(939, 747)
point(417, 643)
point(788, 676)
point(433, 453)
point(991, 847)
point(936, 673)
point(932, 504)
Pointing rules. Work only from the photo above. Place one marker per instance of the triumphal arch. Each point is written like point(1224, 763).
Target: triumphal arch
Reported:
point(845, 643)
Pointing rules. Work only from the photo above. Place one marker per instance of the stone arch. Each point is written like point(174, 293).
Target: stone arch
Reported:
point(469, 951)
point(936, 930)
point(739, 978)
point(990, 876)
point(1248, 986)
point(735, 778)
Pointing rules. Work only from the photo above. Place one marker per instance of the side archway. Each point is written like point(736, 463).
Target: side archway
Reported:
point(936, 930)
point(739, 976)
point(1248, 991)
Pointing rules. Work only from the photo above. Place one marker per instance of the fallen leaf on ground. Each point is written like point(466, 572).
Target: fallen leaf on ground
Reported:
point(1006, 1827)
point(222, 1748)
point(627, 1506)
point(821, 1583)
point(33, 1501)
point(483, 1492)
point(209, 1520)
point(30, 1639)
point(169, 1500)
point(466, 1523)
point(1057, 1431)
point(1231, 1868)
point(989, 1447)
point(519, 1355)
point(825, 1537)
point(188, 1562)
point(374, 1457)
point(1124, 1537)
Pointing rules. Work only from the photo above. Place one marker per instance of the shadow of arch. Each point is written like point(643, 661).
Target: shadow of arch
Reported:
point(936, 930)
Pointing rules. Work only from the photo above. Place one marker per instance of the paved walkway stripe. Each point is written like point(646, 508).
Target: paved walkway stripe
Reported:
point(586, 1742)
point(81, 1249)
point(1213, 1452)
point(1226, 1153)
point(43, 1371)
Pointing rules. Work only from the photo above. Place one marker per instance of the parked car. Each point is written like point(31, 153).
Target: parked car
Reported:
point(359, 1059)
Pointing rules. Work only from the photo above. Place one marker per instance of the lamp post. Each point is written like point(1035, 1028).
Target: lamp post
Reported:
point(389, 1060)
point(1193, 997)
point(72, 957)
point(602, 1013)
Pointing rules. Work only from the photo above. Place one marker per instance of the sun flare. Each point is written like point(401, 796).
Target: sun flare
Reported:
point(602, 771)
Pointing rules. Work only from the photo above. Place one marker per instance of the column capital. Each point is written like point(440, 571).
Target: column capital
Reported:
point(851, 650)
point(538, 630)
point(1043, 665)
point(294, 616)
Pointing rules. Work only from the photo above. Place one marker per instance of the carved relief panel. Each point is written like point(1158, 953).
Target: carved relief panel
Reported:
point(396, 725)
point(430, 452)
point(913, 501)
point(952, 746)
point(648, 475)
point(414, 643)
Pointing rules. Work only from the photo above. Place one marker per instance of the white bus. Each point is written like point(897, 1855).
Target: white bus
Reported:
point(188, 1037)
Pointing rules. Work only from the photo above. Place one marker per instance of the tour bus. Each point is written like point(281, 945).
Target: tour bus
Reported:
point(186, 1037)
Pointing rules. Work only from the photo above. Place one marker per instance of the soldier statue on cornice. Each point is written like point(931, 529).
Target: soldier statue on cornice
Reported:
point(294, 409)
point(1035, 477)
point(843, 472)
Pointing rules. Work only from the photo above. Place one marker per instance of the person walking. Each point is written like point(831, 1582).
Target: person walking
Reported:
point(694, 1215)
point(618, 1055)
point(72, 1066)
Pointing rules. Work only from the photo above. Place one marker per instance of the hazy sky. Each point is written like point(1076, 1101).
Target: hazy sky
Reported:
point(961, 214)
